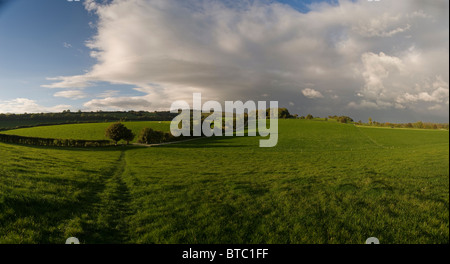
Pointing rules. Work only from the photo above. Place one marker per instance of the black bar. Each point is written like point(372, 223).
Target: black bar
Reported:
point(241, 253)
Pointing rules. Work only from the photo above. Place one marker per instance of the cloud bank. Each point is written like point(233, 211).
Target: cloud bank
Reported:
point(24, 105)
point(384, 58)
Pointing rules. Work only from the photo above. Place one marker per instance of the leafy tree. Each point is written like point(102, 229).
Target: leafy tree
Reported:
point(158, 137)
point(282, 113)
point(128, 136)
point(344, 119)
point(116, 132)
point(145, 135)
point(309, 116)
point(150, 136)
point(419, 124)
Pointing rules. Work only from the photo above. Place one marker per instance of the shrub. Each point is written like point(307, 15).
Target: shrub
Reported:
point(117, 132)
point(145, 135)
point(150, 136)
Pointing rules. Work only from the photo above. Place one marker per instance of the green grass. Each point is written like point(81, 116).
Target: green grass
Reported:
point(48, 194)
point(324, 182)
point(90, 131)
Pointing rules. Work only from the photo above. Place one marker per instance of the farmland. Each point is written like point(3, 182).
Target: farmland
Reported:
point(90, 131)
point(324, 182)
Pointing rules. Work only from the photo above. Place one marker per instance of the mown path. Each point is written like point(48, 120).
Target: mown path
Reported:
point(108, 222)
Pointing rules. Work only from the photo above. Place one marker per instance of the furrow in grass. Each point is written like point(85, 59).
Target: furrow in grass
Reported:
point(111, 211)
point(371, 139)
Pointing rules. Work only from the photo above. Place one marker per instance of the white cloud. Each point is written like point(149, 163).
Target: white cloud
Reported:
point(385, 25)
point(24, 105)
point(379, 104)
point(118, 103)
point(77, 81)
point(435, 107)
point(438, 93)
point(311, 93)
point(108, 93)
point(71, 94)
point(67, 45)
point(389, 52)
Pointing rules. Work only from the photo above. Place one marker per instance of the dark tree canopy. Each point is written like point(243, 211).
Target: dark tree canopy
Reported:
point(118, 131)
point(150, 136)
point(128, 135)
point(282, 113)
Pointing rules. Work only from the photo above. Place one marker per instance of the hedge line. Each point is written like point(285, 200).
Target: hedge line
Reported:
point(52, 142)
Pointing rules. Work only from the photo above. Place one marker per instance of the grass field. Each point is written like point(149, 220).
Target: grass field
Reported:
point(324, 182)
point(89, 131)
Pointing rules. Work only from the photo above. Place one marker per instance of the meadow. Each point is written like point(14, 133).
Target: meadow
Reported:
point(88, 131)
point(324, 182)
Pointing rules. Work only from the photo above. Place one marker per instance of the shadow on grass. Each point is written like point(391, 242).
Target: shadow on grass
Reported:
point(206, 142)
point(95, 210)
point(107, 148)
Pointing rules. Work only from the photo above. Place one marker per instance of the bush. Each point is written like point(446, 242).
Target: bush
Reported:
point(117, 132)
point(150, 136)
point(128, 136)
point(145, 135)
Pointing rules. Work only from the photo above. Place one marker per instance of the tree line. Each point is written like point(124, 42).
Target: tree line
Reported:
point(52, 142)
point(417, 125)
point(118, 131)
point(66, 117)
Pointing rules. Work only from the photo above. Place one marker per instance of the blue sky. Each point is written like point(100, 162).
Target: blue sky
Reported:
point(41, 39)
point(349, 57)
point(44, 38)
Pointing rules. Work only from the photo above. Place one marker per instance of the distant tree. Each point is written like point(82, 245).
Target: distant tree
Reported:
point(128, 135)
point(145, 136)
point(282, 113)
point(158, 137)
point(150, 136)
point(116, 132)
point(419, 124)
point(309, 116)
point(370, 121)
point(168, 137)
point(344, 119)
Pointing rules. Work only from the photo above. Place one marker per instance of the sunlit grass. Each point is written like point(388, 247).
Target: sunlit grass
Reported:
point(324, 182)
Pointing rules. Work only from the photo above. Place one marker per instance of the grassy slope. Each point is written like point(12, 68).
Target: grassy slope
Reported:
point(46, 195)
point(91, 131)
point(323, 183)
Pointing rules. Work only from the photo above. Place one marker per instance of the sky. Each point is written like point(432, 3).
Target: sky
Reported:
point(386, 59)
